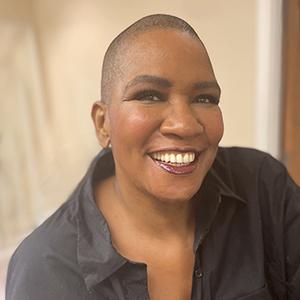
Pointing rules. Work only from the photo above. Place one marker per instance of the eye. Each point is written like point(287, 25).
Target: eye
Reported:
point(148, 96)
point(206, 99)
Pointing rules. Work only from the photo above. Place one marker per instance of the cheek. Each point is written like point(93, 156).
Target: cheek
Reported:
point(214, 126)
point(133, 124)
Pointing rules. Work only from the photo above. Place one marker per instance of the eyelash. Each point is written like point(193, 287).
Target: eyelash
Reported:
point(211, 99)
point(143, 95)
point(148, 95)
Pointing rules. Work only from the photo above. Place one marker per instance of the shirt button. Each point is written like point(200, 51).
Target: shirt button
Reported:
point(198, 273)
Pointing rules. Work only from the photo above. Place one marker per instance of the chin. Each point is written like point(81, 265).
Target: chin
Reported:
point(176, 194)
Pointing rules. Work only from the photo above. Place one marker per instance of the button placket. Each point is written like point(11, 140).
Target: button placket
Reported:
point(197, 276)
point(198, 273)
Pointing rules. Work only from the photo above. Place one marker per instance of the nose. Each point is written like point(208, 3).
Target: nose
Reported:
point(181, 121)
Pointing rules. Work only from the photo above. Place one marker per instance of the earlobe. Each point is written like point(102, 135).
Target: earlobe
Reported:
point(101, 123)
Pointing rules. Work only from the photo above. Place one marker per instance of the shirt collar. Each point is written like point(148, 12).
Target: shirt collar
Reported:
point(96, 255)
point(213, 191)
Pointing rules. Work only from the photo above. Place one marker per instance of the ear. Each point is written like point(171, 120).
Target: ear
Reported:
point(101, 122)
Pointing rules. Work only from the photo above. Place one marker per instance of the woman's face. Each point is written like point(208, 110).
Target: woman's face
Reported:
point(164, 120)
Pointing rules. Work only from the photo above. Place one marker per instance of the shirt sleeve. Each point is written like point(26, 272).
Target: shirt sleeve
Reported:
point(281, 214)
point(292, 238)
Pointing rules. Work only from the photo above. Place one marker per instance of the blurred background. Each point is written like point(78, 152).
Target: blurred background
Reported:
point(50, 60)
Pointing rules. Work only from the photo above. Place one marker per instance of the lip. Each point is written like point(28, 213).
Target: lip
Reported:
point(178, 170)
point(176, 149)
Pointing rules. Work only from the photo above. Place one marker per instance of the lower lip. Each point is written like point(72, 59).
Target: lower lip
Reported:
point(178, 170)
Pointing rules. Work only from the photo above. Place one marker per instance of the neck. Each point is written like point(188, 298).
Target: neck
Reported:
point(155, 218)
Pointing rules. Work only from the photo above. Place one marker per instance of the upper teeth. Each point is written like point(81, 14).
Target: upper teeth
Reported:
point(179, 158)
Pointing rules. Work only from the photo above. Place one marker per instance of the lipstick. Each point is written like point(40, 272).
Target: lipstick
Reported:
point(178, 169)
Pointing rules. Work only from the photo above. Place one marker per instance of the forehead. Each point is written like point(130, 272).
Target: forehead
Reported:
point(167, 53)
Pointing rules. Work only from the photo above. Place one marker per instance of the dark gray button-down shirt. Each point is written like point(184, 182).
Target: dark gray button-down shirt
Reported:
point(247, 240)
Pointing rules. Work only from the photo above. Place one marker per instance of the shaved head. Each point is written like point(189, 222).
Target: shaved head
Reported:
point(114, 56)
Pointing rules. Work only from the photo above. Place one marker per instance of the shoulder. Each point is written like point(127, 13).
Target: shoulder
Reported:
point(58, 229)
point(245, 156)
point(248, 162)
point(252, 173)
point(46, 259)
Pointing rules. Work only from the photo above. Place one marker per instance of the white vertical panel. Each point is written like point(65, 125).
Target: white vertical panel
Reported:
point(268, 97)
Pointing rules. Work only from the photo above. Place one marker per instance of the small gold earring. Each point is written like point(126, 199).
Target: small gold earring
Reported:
point(108, 143)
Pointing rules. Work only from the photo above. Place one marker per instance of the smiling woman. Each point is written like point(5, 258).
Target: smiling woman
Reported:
point(164, 212)
point(161, 105)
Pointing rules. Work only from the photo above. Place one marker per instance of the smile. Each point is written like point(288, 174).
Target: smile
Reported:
point(175, 158)
point(176, 163)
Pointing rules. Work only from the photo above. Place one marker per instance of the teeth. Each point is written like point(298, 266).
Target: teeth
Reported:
point(172, 158)
point(166, 157)
point(192, 156)
point(186, 158)
point(175, 158)
point(179, 158)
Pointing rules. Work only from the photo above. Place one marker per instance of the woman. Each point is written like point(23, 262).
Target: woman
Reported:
point(164, 213)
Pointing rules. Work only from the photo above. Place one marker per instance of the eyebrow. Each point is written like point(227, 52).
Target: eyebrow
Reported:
point(207, 85)
point(163, 82)
point(149, 79)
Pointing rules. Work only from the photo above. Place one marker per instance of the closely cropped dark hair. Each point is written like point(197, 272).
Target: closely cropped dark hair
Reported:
point(113, 58)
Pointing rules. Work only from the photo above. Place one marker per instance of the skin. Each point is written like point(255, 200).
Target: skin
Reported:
point(154, 206)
